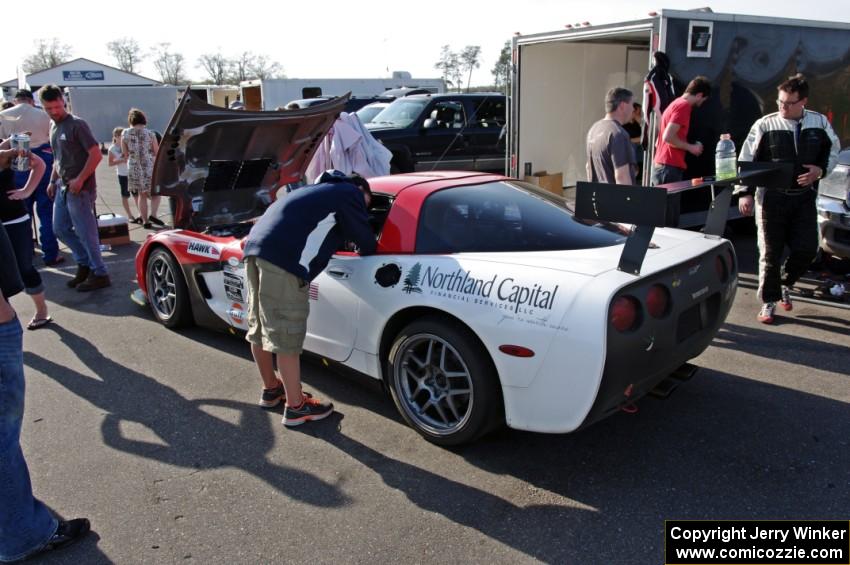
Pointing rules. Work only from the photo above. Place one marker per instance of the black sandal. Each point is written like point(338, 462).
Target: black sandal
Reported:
point(37, 323)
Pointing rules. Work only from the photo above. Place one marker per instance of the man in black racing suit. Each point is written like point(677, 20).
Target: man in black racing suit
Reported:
point(787, 215)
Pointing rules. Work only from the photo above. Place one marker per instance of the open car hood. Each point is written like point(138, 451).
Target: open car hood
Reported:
point(219, 165)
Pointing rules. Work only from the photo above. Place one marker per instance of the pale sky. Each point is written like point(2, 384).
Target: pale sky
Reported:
point(334, 39)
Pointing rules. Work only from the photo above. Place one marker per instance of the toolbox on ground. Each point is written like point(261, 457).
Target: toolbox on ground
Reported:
point(113, 229)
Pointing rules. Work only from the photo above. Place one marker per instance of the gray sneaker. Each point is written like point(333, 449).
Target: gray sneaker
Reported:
point(271, 397)
point(311, 409)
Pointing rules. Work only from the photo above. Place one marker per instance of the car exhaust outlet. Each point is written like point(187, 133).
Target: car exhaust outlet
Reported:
point(665, 388)
point(684, 372)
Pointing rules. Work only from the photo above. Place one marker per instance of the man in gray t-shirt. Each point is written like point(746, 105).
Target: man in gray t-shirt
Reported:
point(610, 155)
point(72, 186)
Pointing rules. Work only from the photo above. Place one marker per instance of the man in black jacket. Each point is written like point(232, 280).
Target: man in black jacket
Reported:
point(788, 215)
point(287, 248)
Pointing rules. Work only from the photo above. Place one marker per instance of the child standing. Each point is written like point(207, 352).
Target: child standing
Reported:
point(117, 160)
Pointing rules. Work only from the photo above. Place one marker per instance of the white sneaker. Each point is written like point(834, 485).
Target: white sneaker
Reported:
point(787, 305)
point(766, 313)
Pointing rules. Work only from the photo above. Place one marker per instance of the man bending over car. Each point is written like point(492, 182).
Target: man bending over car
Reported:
point(288, 247)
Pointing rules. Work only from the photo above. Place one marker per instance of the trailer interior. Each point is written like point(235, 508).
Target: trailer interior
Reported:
point(558, 108)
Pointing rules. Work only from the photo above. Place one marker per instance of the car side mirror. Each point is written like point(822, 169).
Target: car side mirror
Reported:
point(429, 123)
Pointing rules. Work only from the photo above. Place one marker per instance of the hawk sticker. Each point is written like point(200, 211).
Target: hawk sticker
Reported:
point(204, 249)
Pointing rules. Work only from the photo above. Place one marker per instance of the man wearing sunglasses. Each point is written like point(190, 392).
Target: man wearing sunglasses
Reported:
point(787, 215)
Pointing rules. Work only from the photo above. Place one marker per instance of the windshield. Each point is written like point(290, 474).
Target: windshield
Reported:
point(400, 113)
point(506, 216)
point(368, 113)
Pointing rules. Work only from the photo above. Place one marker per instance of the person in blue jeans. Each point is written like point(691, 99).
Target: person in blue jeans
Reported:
point(72, 186)
point(26, 525)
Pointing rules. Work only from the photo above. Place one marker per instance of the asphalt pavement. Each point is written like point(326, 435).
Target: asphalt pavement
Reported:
point(156, 437)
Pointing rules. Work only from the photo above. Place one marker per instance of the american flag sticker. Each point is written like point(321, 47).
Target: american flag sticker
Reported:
point(314, 291)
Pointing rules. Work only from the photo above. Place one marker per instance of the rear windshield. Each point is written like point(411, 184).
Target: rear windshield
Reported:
point(400, 113)
point(506, 216)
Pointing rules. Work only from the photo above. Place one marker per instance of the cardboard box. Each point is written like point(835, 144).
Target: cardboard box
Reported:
point(113, 229)
point(553, 182)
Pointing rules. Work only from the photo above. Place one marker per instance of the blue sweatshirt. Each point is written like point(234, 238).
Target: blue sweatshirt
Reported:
point(302, 230)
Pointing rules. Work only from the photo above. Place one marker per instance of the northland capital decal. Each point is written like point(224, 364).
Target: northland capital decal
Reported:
point(495, 291)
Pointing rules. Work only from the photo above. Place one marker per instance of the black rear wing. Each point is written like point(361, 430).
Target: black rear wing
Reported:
point(646, 206)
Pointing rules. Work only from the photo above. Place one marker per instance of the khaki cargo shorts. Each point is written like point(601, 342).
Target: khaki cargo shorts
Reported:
point(278, 305)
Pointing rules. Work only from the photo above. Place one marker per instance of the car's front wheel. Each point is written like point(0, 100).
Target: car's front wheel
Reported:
point(167, 292)
point(443, 382)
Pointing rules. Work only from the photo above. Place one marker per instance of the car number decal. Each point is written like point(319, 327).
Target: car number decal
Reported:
point(234, 285)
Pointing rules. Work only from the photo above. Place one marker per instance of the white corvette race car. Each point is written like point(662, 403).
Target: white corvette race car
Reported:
point(487, 302)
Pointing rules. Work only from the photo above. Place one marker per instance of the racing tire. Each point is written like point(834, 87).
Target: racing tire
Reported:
point(167, 291)
point(443, 382)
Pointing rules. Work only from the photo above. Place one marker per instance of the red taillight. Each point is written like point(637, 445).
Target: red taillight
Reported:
point(720, 267)
point(624, 313)
point(516, 350)
point(658, 301)
point(731, 256)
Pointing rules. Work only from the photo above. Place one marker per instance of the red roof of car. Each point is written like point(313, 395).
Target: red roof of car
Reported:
point(410, 190)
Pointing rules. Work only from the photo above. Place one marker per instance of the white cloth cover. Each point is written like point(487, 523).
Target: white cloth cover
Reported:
point(350, 148)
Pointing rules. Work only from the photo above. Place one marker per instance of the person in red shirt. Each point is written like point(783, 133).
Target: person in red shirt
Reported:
point(669, 162)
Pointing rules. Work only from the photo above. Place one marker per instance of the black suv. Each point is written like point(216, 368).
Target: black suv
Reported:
point(427, 132)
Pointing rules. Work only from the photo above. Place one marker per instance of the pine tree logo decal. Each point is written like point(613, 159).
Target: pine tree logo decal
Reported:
point(411, 281)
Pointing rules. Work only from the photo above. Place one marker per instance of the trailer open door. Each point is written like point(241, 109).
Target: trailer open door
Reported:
point(558, 86)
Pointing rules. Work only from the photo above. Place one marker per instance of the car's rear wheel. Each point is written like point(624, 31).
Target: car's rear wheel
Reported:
point(167, 291)
point(443, 382)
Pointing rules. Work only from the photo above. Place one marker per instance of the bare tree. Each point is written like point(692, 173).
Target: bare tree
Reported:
point(503, 65)
point(456, 72)
point(217, 67)
point(126, 52)
point(263, 68)
point(241, 69)
point(469, 60)
point(170, 66)
point(445, 62)
point(48, 53)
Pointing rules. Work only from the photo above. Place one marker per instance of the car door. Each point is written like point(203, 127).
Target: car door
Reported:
point(440, 144)
point(334, 305)
point(484, 137)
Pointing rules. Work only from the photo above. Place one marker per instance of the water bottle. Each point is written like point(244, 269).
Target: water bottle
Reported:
point(725, 162)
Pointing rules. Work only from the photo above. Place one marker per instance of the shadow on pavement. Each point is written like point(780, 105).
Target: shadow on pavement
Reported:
point(190, 434)
point(712, 451)
point(773, 345)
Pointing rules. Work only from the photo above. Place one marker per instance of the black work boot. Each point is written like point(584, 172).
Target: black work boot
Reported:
point(94, 282)
point(83, 273)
